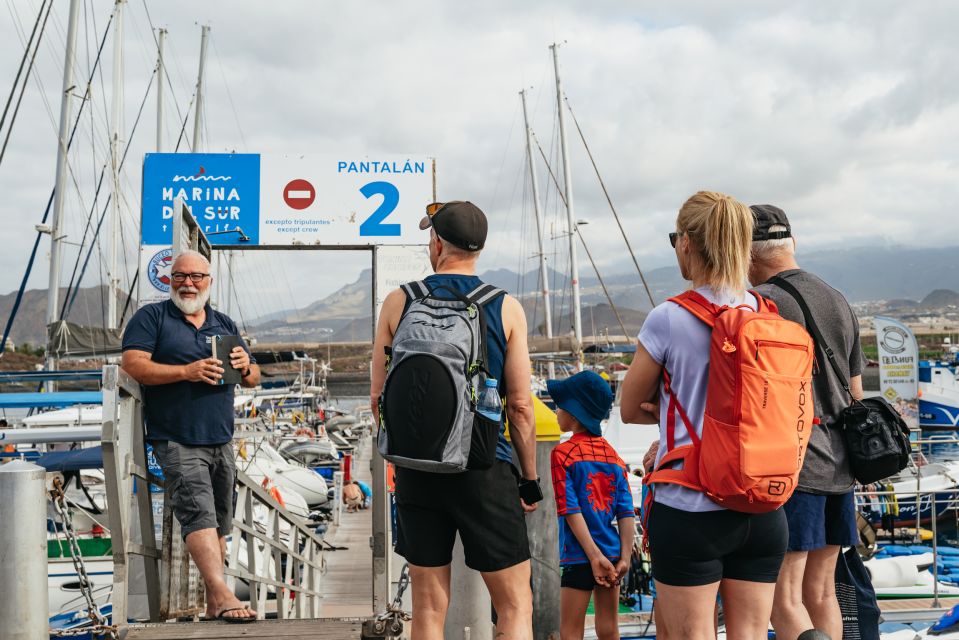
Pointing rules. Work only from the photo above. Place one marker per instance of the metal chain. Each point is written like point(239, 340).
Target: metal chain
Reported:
point(100, 626)
point(395, 608)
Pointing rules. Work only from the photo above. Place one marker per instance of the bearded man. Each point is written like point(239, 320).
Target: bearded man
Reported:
point(167, 348)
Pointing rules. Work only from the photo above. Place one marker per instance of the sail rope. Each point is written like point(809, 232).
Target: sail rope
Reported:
point(46, 213)
point(609, 200)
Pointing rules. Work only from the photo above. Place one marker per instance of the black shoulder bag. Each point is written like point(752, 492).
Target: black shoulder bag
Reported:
point(877, 438)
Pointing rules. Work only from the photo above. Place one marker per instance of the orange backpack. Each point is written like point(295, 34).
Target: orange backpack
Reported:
point(759, 409)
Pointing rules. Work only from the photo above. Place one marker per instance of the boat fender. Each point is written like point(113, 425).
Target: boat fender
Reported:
point(813, 634)
point(948, 623)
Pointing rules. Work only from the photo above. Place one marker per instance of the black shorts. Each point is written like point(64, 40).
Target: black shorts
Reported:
point(482, 505)
point(695, 548)
point(578, 576)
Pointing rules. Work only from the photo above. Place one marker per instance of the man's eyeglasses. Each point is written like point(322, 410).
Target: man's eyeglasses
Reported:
point(196, 278)
point(433, 207)
point(673, 237)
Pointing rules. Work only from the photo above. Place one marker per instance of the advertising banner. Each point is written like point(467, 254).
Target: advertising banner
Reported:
point(397, 265)
point(898, 367)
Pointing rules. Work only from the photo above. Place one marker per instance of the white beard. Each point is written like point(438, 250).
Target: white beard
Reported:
point(189, 306)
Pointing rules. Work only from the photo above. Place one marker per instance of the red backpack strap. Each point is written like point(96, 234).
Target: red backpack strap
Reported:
point(697, 304)
point(764, 304)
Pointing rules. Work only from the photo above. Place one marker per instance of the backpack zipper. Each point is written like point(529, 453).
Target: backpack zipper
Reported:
point(778, 345)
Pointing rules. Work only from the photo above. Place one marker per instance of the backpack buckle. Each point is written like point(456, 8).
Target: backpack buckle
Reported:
point(471, 311)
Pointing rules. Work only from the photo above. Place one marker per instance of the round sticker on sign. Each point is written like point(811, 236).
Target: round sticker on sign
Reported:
point(299, 194)
point(159, 270)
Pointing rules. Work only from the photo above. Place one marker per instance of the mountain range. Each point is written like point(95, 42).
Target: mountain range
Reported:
point(895, 277)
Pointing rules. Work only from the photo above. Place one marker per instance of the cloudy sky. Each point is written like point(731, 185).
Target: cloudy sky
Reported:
point(845, 114)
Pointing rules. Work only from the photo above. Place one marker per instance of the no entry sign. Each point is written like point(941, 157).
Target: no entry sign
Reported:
point(299, 194)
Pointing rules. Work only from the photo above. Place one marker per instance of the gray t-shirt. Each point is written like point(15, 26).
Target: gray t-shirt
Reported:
point(826, 467)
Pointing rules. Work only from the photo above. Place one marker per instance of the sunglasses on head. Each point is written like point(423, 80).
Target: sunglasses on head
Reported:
point(433, 207)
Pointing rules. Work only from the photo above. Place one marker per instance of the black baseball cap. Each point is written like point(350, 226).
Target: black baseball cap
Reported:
point(766, 216)
point(459, 222)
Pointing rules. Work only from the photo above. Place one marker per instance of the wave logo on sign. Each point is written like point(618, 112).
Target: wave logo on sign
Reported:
point(159, 269)
point(200, 176)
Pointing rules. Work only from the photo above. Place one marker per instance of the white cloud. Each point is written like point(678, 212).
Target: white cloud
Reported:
point(843, 115)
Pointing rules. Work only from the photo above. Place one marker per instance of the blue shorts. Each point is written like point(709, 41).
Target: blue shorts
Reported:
point(816, 521)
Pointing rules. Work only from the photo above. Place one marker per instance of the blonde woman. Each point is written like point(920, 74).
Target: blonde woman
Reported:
point(698, 548)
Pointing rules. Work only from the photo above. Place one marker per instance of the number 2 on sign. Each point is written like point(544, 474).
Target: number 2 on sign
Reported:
point(374, 225)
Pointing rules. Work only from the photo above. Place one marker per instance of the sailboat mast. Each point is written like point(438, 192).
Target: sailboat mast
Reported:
point(161, 73)
point(570, 216)
point(116, 118)
point(544, 273)
point(198, 117)
point(66, 109)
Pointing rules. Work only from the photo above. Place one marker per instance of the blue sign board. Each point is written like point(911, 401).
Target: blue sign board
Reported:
point(222, 191)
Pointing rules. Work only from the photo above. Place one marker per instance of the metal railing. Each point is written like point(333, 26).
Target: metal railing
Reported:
point(282, 558)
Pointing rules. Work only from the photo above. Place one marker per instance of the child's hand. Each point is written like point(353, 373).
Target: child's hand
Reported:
point(603, 571)
point(622, 567)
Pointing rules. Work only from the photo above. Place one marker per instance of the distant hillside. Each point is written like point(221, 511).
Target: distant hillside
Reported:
point(899, 275)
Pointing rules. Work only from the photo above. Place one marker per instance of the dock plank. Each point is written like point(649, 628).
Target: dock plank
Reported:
point(319, 629)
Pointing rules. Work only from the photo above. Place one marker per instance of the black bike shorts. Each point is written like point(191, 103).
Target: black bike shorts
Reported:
point(690, 549)
point(482, 505)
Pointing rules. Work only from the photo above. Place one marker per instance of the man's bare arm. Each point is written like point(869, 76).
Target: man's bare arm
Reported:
point(385, 328)
point(519, 403)
point(145, 371)
point(855, 386)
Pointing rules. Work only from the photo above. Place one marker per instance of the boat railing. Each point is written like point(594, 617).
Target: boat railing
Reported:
point(918, 495)
point(271, 550)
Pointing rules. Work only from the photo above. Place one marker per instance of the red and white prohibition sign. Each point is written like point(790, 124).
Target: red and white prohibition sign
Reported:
point(299, 194)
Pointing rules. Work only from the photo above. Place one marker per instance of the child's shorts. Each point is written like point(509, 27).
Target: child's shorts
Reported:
point(578, 576)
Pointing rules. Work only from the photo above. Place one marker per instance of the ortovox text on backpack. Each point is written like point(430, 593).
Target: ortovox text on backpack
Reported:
point(435, 370)
point(759, 409)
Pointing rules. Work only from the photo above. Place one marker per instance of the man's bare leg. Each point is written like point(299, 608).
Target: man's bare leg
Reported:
point(512, 598)
point(819, 590)
point(789, 616)
point(431, 599)
point(206, 549)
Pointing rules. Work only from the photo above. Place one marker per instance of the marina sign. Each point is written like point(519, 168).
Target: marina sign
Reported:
point(284, 200)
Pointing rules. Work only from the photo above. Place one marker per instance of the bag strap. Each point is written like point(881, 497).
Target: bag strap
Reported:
point(415, 290)
point(484, 294)
point(813, 328)
point(697, 304)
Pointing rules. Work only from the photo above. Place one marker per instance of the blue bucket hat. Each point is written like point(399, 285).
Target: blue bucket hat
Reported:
point(586, 396)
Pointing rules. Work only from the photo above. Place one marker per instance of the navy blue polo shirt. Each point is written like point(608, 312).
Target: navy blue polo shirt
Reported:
point(190, 413)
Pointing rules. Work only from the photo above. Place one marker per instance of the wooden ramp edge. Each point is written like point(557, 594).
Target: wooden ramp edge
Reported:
point(320, 629)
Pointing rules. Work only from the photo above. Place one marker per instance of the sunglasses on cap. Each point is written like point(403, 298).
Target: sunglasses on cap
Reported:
point(433, 207)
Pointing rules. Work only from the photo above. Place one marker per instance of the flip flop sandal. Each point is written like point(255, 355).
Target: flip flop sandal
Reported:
point(234, 619)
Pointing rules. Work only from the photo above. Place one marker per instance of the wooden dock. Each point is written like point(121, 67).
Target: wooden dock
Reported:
point(347, 589)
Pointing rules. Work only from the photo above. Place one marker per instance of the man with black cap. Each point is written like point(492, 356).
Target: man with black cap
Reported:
point(821, 513)
point(484, 506)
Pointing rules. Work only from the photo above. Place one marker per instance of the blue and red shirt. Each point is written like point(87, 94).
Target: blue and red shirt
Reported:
point(589, 478)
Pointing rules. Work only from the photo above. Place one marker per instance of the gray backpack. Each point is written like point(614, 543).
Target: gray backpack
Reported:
point(435, 371)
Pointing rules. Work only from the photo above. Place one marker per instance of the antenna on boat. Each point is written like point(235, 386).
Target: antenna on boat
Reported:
point(544, 273)
point(570, 216)
point(66, 108)
point(116, 117)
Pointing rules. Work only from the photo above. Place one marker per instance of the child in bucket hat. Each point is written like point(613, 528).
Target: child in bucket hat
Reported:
point(592, 490)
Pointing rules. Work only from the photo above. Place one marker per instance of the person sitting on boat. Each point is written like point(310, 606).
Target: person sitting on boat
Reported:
point(822, 511)
point(189, 416)
point(592, 490)
point(483, 505)
point(699, 548)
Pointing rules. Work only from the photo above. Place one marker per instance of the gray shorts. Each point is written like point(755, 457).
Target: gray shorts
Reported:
point(200, 482)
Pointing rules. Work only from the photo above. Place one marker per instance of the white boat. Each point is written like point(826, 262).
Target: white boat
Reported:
point(939, 394)
point(263, 462)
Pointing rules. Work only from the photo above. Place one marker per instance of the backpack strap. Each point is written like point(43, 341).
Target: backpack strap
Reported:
point(415, 290)
point(697, 304)
point(484, 294)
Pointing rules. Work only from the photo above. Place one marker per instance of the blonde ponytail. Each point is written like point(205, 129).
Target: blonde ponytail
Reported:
point(720, 228)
